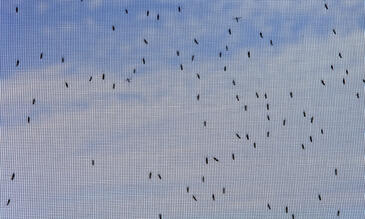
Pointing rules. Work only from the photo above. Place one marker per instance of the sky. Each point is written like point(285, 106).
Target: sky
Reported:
point(154, 123)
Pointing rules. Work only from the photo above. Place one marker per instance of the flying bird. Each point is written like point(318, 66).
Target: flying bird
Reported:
point(229, 31)
point(326, 6)
point(291, 94)
point(113, 28)
point(187, 189)
point(158, 16)
point(113, 86)
point(17, 63)
point(284, 122)
point(160, 216)
point(33, 101)
point(237, 18)
point(238, 99)
point(340, 55)
point(196, 41)
point(322, 81)
point(234, 83)
point(147, 13)
point(66, 84)
point(145, 41)
point(206, 160)
point(271, 43)
point(41, 56)
point(245, 107)
point(63, 60)
point(336, 172)
point(159, 176)
point(16, 10)
point(312, 119)
point(143, 61)
point(232, 156)
point(261, 35)
point(12, 176)
point(179, 9)
point(91, 77)
point(197, 97)
point(28, 119)
point(103, 76)
point(238, 136)
point(286, 209)
point(126, 11)
point(310, 139)
point(319, 197)
point(150, 175)
point(8, 202)
point(181, 67)
point(224, 190)
point(197, 75)
point(334, 31)
point(268, 206)
point(194, 198)
point(177, 53)
point(215, 159)
point(192, 58)
point(254, 144)
point(205, 123)
point(92, 162)
point(248, 54)
point(213, 197)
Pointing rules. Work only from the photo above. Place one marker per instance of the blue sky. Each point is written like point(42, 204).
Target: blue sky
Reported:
point(154, 123)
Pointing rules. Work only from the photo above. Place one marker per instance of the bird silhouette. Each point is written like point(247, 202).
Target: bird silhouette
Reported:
point(237, 18)
point(196, 41)
point(41, 56)
point(12, 176)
